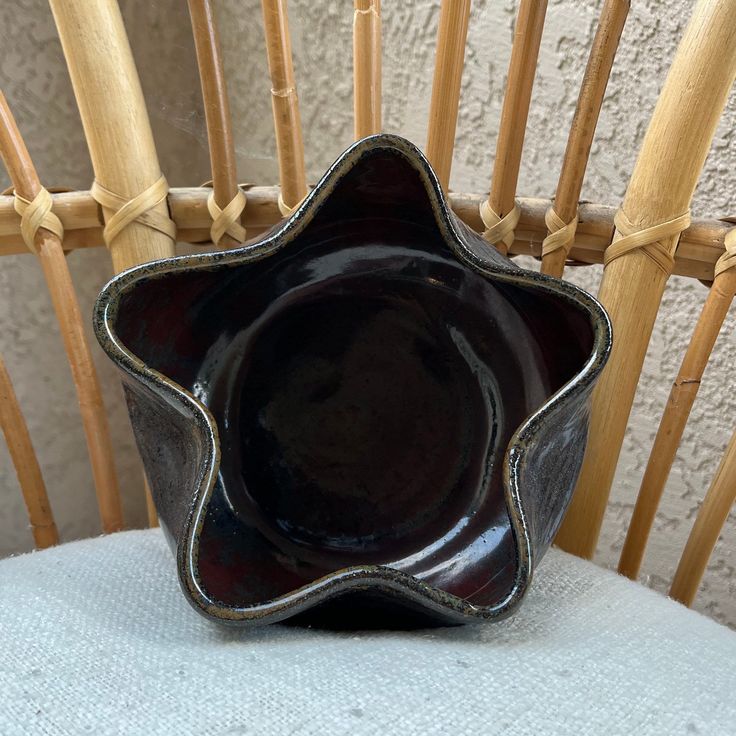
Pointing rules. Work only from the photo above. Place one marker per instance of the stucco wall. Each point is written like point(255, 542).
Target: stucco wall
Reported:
point(35, 80)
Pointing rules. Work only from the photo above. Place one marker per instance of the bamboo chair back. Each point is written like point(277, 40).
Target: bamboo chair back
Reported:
point(131, 210)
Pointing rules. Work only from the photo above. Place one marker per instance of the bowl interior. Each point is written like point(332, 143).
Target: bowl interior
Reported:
point(365, 385)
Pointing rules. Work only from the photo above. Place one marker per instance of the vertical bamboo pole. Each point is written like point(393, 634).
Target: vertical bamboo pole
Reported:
point(367, 67)
point(216, 108)
point(151, 512)
point(510, 143)
point(562, 218)
point(116, 124)
point(24, 459)
point(660, 189)
point(286, 118)
point(59, 281)
point(448, 69)
point(680, 402)
point(114, 117)
point(708, 524)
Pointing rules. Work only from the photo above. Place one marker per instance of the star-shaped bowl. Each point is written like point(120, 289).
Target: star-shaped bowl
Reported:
point(368, 417)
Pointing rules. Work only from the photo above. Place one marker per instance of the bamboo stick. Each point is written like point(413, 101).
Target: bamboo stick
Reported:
point(151, 512)
point(660, 190)
point(570, 184)
point(24, 459)
point(367, 67)
point(286, 118)
point(512, 129)
point(114, 117)
point(216, 108)
point(680, 402)
point(700, 247)
point(115, 121)
point(58, 279)
point(448, 69)
point(708, 524)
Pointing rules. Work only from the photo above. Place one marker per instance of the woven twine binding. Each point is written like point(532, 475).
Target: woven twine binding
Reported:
point(728, 259)
point(499, 229)
point(649, 240)
point(284, 208)
point(36, 214)
point(227, 220)
point(138, 209)
point(561, 234)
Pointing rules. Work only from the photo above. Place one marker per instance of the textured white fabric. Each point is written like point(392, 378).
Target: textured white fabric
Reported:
point(96, 638)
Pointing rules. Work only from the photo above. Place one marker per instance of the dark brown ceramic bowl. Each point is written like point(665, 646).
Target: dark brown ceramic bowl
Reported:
point(370, 409)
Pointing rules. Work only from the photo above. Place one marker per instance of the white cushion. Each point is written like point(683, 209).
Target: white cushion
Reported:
point(97, 638)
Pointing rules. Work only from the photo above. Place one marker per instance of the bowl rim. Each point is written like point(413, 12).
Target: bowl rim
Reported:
point(458, 238)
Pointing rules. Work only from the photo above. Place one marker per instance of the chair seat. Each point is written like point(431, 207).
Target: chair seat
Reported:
point(96, 637)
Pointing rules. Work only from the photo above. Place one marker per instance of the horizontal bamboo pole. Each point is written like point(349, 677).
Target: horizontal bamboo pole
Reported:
point(708, 524)
point(701, 245)
point(582, 129)
point(448, 71)
point(367, 67)
point(24, 459)
point(68, 314)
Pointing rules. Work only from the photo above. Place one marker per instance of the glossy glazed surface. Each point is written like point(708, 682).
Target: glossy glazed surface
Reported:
point(365, 384)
